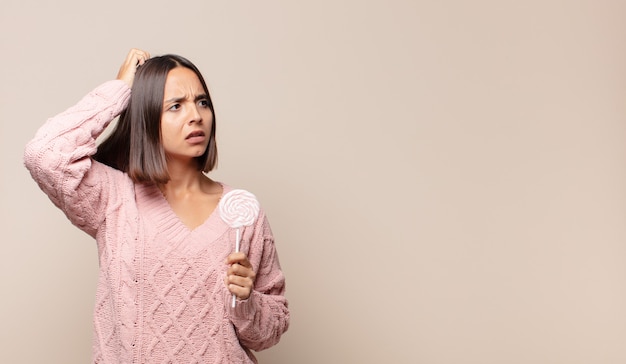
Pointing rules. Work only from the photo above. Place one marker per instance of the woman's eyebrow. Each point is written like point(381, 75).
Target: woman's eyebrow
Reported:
point(175, 99)
point(202, 96)
point(183, 98)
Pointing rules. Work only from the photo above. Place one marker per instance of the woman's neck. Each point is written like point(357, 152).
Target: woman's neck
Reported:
point(184, 178)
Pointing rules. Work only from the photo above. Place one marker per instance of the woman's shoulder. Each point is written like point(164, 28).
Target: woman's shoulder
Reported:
point(238, 193)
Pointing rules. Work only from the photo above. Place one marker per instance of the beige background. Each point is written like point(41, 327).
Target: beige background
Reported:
point(446, 180)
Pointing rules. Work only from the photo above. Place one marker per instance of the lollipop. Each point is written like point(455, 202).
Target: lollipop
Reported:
point(238, 208)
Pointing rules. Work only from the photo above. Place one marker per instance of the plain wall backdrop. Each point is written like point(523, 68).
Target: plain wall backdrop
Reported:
point(446, 180)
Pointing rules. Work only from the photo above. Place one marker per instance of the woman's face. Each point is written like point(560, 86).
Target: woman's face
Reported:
point(186, 118)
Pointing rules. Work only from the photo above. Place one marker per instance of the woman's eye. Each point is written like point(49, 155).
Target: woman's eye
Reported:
point(204, 103)
point(175, 107)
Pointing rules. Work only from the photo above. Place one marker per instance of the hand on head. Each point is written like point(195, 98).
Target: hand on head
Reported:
point(134, 59)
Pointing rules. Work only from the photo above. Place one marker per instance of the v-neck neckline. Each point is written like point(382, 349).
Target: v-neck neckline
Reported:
point(207, 220)
point(153, 205)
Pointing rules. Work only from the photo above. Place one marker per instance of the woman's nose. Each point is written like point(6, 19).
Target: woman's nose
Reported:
point(194, 115)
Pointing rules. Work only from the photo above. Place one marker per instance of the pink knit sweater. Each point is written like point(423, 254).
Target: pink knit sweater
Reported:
point(161, 297)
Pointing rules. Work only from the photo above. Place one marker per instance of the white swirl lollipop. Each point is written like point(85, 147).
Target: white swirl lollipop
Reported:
point(238, 208)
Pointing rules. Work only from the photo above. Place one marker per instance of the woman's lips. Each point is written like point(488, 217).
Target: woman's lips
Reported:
point(196, 137)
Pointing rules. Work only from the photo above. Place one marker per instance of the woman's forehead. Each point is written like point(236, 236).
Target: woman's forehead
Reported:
point(182, 81)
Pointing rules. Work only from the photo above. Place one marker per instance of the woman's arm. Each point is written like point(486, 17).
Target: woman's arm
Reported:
point(59, 156)
point(263, 317)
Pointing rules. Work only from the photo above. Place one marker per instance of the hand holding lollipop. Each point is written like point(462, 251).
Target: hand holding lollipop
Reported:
point(238, 208)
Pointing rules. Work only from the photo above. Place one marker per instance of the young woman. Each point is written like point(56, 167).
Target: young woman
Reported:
point(167, 267)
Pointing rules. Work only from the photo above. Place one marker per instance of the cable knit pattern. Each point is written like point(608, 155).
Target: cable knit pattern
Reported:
point(160, 296)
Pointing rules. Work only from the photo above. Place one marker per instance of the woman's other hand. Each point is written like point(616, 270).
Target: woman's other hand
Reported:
point(240, 276)
point(134, 59)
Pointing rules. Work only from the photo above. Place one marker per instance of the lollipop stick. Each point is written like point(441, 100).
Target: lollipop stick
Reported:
point(237, 239)
point(234, 303)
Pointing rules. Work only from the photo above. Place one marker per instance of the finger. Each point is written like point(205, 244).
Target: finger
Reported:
point(240, 281)
point(239, 286)
point(132, 57)
point(239, 258)
point(240, 276)
point(241, 292)
point(142, 57)
point(242, 271)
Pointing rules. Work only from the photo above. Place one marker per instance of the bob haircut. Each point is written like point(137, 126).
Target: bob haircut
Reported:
point(134, 146)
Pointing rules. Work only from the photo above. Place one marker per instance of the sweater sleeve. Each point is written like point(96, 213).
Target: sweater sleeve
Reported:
point(264, 316)
point(59, 156)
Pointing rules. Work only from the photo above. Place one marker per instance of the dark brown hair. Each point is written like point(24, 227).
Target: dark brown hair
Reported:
point(134, 146)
